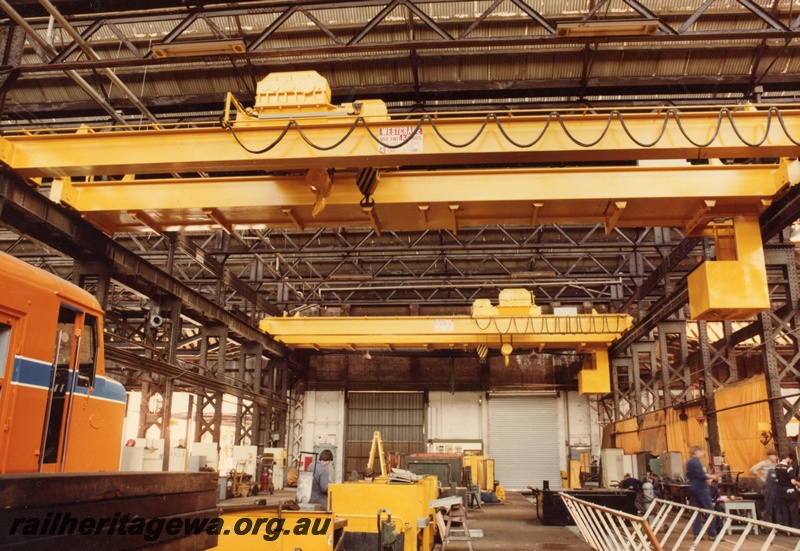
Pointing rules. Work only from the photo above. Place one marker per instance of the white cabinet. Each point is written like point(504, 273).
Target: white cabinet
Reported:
point(612, 463)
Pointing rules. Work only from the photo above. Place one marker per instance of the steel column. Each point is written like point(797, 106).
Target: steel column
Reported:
point(780, 325)
point(708, 386)
point(674, 372)
point(213, 346)
point(645, 369)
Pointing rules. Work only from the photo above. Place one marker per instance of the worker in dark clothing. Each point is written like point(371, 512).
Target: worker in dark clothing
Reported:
point(765, 471)
point(629, 483)
point(701, 497)
point(786, 478)
point(716, 500)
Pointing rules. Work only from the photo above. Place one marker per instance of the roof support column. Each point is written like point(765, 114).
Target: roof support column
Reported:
point(276, 427)
point(673, 372)
point(708, 386)
point(643, 355)
point(621, 386)
point(248, 415)
point(294, 436)
point(780, 325)
point(213, 346)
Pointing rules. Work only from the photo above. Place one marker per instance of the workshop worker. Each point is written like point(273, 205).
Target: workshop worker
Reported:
point(629, 483)
point(786, 482)
point(655, 480)
point(319, 488)
point(765, 471)
point(701, 497)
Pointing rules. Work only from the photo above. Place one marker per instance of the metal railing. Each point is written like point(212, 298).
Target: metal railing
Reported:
point(606, 529)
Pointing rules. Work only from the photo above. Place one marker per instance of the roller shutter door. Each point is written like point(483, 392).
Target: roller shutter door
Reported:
point(400, 416)
point(523, 441)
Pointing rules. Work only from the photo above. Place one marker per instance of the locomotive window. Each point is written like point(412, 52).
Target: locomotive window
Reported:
point(5, 349)
point(64, 357)
point(86, 368)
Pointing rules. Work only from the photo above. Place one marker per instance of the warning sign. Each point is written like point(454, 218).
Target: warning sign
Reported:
point(396, 135)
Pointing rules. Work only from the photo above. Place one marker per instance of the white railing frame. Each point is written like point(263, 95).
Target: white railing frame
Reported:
point(606, 529)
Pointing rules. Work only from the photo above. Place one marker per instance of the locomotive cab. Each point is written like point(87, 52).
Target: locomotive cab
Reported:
point(59, 410)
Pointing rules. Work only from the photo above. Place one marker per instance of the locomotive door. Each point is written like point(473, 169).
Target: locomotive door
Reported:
point(61, 392)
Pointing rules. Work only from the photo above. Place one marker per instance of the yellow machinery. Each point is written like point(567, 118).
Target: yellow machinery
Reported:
point(303, 95)
point(408, 503)
point(514, 322)
point(242, 484)
point(482, 471)
point(734, 286)
point(261, 528)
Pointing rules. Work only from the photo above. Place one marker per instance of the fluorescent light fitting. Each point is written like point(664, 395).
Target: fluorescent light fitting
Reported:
point(533, 275)
point(622, 27)
point(205, 47)
point(351, 277)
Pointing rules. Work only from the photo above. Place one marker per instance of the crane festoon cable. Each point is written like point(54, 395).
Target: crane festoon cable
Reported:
point(724, 112)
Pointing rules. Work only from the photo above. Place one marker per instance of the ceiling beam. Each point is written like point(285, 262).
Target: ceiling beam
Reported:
point(30, 213)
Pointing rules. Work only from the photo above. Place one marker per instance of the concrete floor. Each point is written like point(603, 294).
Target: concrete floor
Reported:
point(513, 525)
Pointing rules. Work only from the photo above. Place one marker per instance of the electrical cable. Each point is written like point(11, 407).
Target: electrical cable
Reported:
point(723, 113)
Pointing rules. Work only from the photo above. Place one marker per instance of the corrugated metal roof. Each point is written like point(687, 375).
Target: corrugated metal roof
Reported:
point(393, 66)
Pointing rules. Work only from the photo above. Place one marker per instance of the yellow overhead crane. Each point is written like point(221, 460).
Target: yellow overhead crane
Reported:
point(346, 159)
point(515, 322)
point(303, 131)
point(683, 197)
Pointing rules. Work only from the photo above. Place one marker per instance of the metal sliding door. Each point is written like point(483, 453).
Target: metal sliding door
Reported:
point(523, 441)
point(400, 416)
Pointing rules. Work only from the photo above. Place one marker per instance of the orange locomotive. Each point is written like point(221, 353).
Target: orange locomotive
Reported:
point(58, 411)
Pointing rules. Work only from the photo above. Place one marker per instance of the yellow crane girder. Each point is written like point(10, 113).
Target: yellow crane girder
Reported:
point(587, 333)
point(686, 197)
point(351, 141)
point(515, 323)
point(444, 333)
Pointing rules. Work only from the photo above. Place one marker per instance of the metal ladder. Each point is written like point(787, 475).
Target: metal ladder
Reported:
point(606, 529)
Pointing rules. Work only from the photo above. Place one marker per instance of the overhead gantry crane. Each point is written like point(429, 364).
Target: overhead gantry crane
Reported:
point(294, 127)
point(515, 322)
point(356, 166)
point(352, 166)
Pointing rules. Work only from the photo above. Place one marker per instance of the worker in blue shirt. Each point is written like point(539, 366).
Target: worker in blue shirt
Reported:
point(701, 497)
